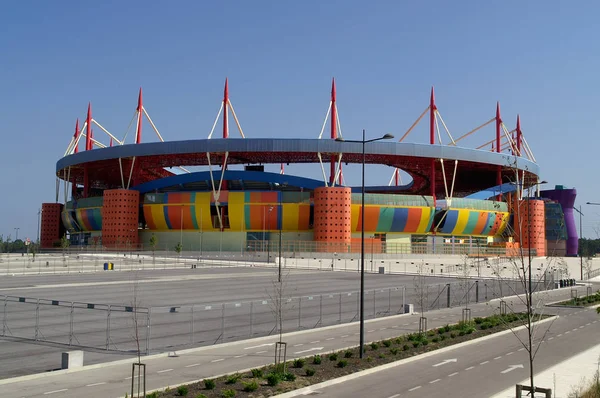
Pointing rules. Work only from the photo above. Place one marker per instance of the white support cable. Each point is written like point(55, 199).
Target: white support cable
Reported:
point(508, 135)
point(128, 127)
point(414, 124)
point(444, 175)
point(446, 128)
point(239, 126)
point(339, 124)
point(72, 147)
point(528, 148)
point(67, 183)
point(122, 177)
point(523, 185)
point(216, 120)
point(474, 130)
point(131, 172)
point(57, 188)
point(138, 120)
point(449, 201)
point(338, 170)
point(212, 178)
point(152, 124)
point(322, 168)
point(325, 121)
point(106, 131)
point(67, 152)
point(94, 141)
point(526, 151)
point(184, 169)
point(392, 179)
point(437, 127)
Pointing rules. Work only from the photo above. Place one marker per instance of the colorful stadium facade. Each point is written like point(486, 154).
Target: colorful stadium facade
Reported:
point(122, 195)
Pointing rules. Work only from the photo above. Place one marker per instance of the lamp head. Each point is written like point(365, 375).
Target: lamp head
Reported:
point(340, 139)
point(387, 137)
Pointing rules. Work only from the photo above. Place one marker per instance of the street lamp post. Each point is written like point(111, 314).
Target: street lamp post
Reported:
point(362, 235)
point(38, 228)
point(580, 237)
point(17, 233)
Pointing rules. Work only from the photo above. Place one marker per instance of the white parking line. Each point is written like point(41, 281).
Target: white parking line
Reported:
point(219, 360)
point(192, 365)
point(498, 357)
point(258, 352)
point(95, 384)
point(550, 338)
point(298, 345)
point(240, 356)
point(55, 391)
point(382, 328)
point(484, 362)
point(510, 353)
point(434, 381)
point(343, 336)
point(165, 370)
point(452, 374)
point(394, 396)
point(330, 338)
point(370, 331)
point(415, 388)
point(559, 335)
point(316, 341)
point(470, 367)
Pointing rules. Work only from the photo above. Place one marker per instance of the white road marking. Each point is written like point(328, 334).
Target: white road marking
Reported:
point(168, 370)
point(559, 335)
point(219, 360)
point(382, 328)
point(550, 338)
point(309, 350)
point(394, 396)
point(581, 327)
point(452, 374)
point(95, 384)
point(567, 332)
point(406, 324)
point(330, 338)
point(444, 362)
point(510, 353)
point(594, 321)
point(192, 365)
point(434, 381)
point(258, 346)
point(588, 324)
point(343, 336)
point(415, 388)
point(314, 342)
point(55, 391)
point(298, 345)
point(498, 357)
point(259, 352)
point(240, 356)
point(470, 367)
point(370, 331)
point(356, 334)
point(511, 368)
point(129, 378)
point(484, 362)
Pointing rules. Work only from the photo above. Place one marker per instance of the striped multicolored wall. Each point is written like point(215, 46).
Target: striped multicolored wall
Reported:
point(379, 219)
point(85, 219)
point(474, 222)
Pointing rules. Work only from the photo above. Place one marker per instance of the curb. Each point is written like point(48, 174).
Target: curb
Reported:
point(328, 383)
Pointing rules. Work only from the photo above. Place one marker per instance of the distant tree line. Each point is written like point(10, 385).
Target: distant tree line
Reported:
point(10, 246)
point(589, 247)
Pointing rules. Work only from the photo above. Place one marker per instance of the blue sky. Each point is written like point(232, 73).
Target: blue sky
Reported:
point(537, 58)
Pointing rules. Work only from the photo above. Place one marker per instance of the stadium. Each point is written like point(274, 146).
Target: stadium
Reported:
point(144, 195)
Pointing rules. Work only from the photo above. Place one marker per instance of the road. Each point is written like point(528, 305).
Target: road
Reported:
point(187, 309)
point(113, 380)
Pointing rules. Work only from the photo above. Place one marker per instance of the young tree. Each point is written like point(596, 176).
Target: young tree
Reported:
point(153, 243)
point(465, 283)
point(141, 369)
point(420, 286)
point(64, 244)
point(178, 248)
point(280, 303)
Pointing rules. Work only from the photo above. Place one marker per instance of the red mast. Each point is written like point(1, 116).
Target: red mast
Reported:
point(518, 135)
point(432, 109)
point(333, 131)
point(75, 136)
point(138, 136)
point(88, 120)
point(498, 147)
point(225, 105)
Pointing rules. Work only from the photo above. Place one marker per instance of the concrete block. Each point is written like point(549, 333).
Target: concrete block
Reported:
point(72, 359)
point(409, 308)
point(382, 270)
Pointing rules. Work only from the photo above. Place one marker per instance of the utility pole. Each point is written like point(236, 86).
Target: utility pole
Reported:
point(17, 233)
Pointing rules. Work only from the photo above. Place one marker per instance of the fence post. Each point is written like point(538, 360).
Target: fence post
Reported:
point(223, 322)
point(37, 319)
point(476, 291)
point(374, 303)
point(389, 300)
point(4, 316)
point(149, 329)
point(192, 326)
point(107, 328)
point(251, 318)
point(71, 323)
point(403, 298)
point(299, 311)
point(340, 315)
point(448, 294)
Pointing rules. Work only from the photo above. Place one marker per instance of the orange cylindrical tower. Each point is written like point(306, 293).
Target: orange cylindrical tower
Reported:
point(332, 218)
point(530, 225)
point(120, 218)
point(51, 226)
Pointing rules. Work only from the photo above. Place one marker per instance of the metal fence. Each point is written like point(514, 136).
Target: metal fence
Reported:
point(113, 327)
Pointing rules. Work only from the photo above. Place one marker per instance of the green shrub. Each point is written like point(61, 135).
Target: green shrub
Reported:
point(442, 337)
point(435, 340)
point(374, 346)
point(232, 379)
point(183, 391)
point(399, 340)
point(250, 386)
point(431, 333)
point(310, 372)
point(461, 333)
point(416, 344)
point(469, 330)
point(228, 393)
point(209, 384)
point(257, 373)
point(289, 376)
point(201, 396)
point(405, 347)
point(394, 351)
point(333, 357)
point(316, 360)
point(369, 359)
point(151, 395)
point(447, 328)
point(342, 363)
point(425, 342)
point(478, 320)
point(484, 326)
point(598, 310)
point(441, 330)
point(348, 354)
point(273, 379)
point(452, 335)
point(387, 343)
point(381, 356)
point(412, 336)
point(299, 363)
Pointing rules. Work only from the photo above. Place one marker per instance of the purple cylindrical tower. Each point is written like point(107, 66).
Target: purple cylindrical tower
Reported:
point(566, 198)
